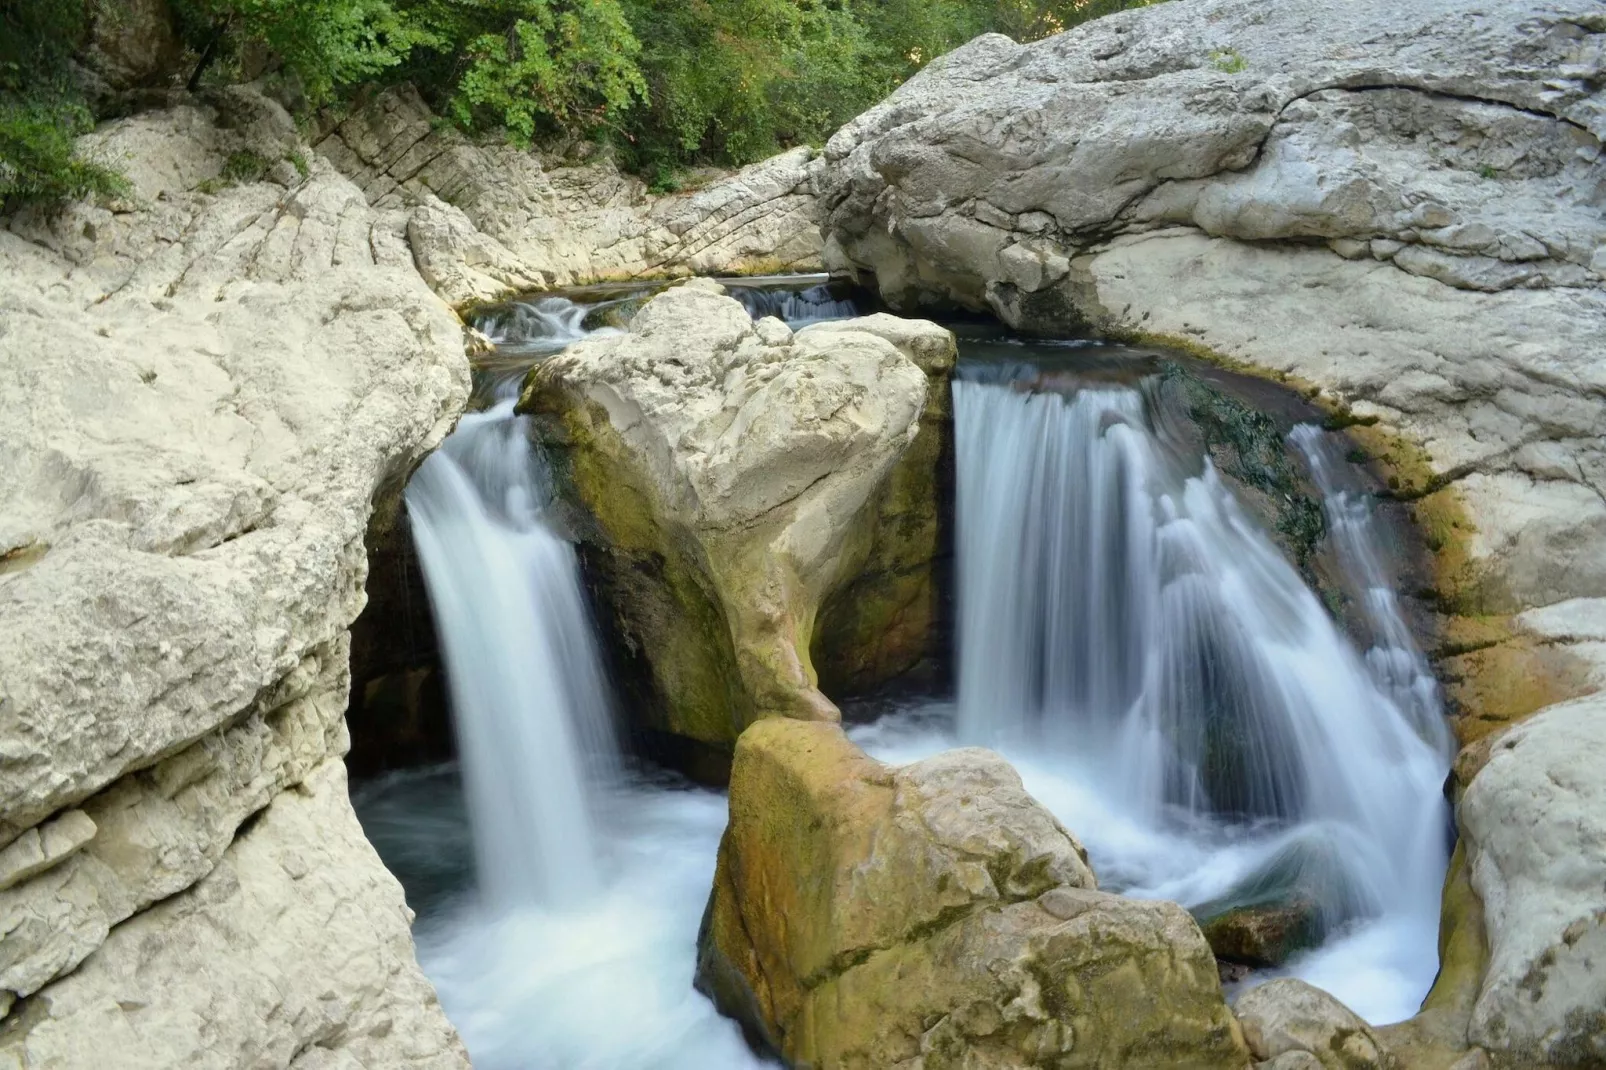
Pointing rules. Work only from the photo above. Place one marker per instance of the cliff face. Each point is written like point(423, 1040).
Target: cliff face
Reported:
point(203, 393)
point(1397, 206)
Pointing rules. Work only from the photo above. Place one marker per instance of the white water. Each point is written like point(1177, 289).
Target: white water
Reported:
point(1170, 688)
point(530, 703)
point(577, 945)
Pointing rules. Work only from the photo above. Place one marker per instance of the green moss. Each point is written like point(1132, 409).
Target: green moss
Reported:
point(1248, 446)
point(1228, 60)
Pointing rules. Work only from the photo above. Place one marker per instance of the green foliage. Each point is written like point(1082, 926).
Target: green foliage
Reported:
point(530, 67)
point(41, 109)
point(1228, 59)
point(37, 160)
point(326, 44)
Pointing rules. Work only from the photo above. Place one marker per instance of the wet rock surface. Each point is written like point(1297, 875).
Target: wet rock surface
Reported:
point(935, 915)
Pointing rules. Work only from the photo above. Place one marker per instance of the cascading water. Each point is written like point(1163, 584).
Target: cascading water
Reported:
point(525, 676)
point(1169, 686)
point(797, 307)
point(1394, 658)
point(576, 948)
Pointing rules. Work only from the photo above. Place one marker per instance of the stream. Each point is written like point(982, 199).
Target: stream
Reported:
point(1164, 680)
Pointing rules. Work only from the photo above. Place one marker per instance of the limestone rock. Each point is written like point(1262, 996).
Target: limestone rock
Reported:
point(132, 44)
point(887, 618)
point(1287, 1015)
point(491, 218)
point(203, 389)
point(936, 916)
point(725, 466)
point(1534, 820)
point(1182, 161)
point(296, 943)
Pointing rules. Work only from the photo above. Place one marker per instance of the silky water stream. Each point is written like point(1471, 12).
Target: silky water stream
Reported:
point(1161, 676)
point(558, 889)
point(1168, 685)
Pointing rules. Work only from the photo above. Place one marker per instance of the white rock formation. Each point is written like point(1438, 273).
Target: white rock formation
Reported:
point(487, 218)
point(1398, 202)
point(1535, 822)
point(741, 454)
point(201, 395)
point(293, 952)
point(1287, 1016)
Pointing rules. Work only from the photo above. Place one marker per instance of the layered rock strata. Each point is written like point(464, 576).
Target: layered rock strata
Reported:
point(733, 476)
point(935, 916)
point(487, 219)
point(202, 391)
point(1396, 205)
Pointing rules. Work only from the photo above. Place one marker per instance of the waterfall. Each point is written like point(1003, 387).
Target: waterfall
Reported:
point(1126, 627)
point(578, 945)
point(1395, 661)
point(529, 701)
point(815, 304)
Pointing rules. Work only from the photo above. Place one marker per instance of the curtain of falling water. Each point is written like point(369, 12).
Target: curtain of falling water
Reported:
point(530, 705)
point(1129, 617)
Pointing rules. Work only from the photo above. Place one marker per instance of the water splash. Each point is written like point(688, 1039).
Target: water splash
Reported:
point(1171, 689)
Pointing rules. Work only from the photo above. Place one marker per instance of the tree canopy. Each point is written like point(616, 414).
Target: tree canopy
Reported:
point(671, 83)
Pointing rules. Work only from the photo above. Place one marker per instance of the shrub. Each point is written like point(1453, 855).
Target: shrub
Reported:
point(41, 109)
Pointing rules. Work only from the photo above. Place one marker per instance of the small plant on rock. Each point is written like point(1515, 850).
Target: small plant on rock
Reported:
point(1228, 60)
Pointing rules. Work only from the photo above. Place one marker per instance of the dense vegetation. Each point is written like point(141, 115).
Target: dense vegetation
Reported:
point(671, 83)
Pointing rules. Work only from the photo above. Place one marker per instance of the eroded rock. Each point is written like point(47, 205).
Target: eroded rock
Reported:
point(935, 916)
point(294, 951)
point(1535, 821)
point(726, 467)
point(1287, 1015)
point(203, 388)
point(488, 219)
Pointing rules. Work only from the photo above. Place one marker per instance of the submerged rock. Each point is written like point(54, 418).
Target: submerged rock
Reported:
point(1264, 935)
point(729, 471)
point(1287, 1015)
point(936, 916)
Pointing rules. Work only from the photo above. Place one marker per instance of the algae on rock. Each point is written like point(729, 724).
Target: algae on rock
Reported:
point(935, 915)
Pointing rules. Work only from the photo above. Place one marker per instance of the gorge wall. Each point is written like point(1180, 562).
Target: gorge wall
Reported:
point(206, 388)
point(1399, 207)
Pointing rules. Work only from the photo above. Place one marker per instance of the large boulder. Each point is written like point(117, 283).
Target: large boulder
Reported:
point(936, 916)
point(1535, 825)
point(492, 218)
point(203, 389)
point(733, 475)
